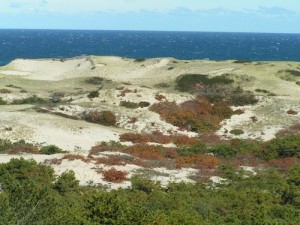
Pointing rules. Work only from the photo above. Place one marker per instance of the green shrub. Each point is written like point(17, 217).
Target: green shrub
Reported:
point(140, 60)
point(237, 131)
point(5, 91)
point(192, 150)
point(2, 102)
point(30, 100)
point(291, 72)
point(224, 151)
point(143, 104)
point(50, 149)
point(93, 94)
point(242, 61)
point(128, 104)
point(262, 91)
point(281, 147)
point(94, 80)
point(188, 82)
point(5, 145)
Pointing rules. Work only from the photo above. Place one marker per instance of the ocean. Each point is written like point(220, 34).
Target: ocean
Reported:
point(148, 44)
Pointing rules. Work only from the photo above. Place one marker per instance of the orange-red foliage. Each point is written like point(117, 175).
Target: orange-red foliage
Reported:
point(114, 175)
point(284, 164)
point(197, 114)
point(146, 151)
point(198, 161)
point(134, 138)
point(158, 137)
point(72, 157)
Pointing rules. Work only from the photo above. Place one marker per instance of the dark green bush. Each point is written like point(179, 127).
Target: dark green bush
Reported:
point(5, 145)
point(94, 80)
point(291, 72)
point(281, 147)
point(2, 102)
point(237, 131)
point(262, 91)
point(128, 104)
point(192, 150)
point(143, 104)
point(93, 94)
point(50, 149)
point(188, 82)
point(30, 100)
point(140, 60)
point(224, 151)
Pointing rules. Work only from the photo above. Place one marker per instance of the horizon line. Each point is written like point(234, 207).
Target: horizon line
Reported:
point(132, 30)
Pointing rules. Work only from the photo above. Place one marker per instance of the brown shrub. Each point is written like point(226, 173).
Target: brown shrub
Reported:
point(292, 130)
point(23, 149)
point(114, 176)
point(95, 150)
point(123, 91)
point(159, 97)
point(239, 111)
point(105, 117)
point(134, 138)
point(54, 161)
point(111, 160)
point(72, 157)
point(209, 138)
point(183, 140)
point(292, 112)
point(171, 153)
point(198, 161)
point(144, 151)
point(284, 164)
point(5, 91)
point(197, 115)
point(133, 120)
point(158, 137)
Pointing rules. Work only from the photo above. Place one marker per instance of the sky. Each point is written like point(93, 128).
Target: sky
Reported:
point(268, 16)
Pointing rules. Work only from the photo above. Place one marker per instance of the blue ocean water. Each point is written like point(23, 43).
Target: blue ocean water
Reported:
point(147, 44)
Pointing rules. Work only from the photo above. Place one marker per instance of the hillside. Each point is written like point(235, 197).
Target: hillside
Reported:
point(55, 102)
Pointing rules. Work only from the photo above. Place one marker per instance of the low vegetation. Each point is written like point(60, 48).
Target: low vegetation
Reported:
point(30, 100)
point(31, 192)
point(191, 82)
point(104, 117)
point(198, 115)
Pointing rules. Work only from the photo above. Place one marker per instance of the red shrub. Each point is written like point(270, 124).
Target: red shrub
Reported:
point(23, 149)
point(283, 164)
point(111, 160)
point(196, 115)
point(183, 140)
point(171, 153)
point(134, 138)
point(198, 161)
point(159, 97)
point(239, 111)
point(146, 151)
point(114, 176)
